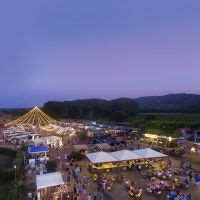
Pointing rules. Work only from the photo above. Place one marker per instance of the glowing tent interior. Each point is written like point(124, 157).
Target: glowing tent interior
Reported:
point(34, 117)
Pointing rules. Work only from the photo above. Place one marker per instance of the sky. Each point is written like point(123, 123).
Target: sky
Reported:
point(74, 49)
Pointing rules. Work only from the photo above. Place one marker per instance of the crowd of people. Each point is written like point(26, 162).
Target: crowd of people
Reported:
point(80, 183)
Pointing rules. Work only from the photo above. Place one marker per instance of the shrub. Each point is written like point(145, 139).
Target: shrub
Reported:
point(7, 174)
point(18, 162)
point(17, 192)
point(76, 155)
point(82, 136)
point(51, 165)
point(181, 152)
point(24, 148)
point(7, 151)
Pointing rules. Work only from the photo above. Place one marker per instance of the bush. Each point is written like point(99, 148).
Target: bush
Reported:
point(7, 174)
point(4, 191)
point(24, 148)
point(7, 151)
point(17, 192)
point(51, 165)
point(76, 155)
point(82, 136)
point(181, 152)
point(18, 162)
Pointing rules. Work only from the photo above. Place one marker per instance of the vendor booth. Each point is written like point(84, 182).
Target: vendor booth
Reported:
point(125, 155)
point(44, 184)
point(120, 160)
point(103, 146)
point(37, 154)
point(52, 141)
point(101, 161)
point(148, 153)
point(80, 147)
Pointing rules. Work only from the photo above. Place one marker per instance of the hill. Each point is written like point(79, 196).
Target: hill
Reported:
point(184, 103)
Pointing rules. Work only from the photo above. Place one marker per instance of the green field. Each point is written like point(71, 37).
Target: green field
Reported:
point(165, 123)
point(169, 117)
point(4, 191)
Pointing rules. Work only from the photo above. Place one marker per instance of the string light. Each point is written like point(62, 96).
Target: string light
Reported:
point(34, 117)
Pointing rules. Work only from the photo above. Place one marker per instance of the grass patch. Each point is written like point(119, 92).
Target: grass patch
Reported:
point(4, 191)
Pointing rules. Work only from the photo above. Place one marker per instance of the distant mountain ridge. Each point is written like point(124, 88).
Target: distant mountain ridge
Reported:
point(170, 103)
point(182, 103)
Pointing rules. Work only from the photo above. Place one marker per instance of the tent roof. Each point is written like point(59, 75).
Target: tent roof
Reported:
point(101, 157)
point(148, 153)
point(80, 147)
point(38, 149)
point(125, 155)
point(103, 146)
point(49, 180)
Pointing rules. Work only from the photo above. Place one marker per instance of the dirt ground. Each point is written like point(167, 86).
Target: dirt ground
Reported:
point(118, 191)
point(194, 160)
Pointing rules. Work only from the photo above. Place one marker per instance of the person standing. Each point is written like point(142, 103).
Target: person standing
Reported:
point(95, 195)
point(190, 175)
point(101, 195)
point(104, 185)
point(68, 179)
point(74, 189)
point(84, 193)
point(89, 197)
point(139, 168)
point(88, 182)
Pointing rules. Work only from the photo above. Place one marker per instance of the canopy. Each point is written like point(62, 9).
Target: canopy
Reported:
point(38, 149)
point(49, 180)
point(103, 146)
point(149, 153)
point(79, 147)
point(101, 157)
point(125, 155)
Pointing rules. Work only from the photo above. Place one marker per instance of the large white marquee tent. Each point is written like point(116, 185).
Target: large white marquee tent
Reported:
point(123, 155)
point(149, 153)
point(101, 157)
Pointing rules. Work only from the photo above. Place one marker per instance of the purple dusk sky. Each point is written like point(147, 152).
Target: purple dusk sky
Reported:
point(63, 50)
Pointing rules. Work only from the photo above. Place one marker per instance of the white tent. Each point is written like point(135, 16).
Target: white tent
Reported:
point(48, 180)
point(53, 141)
point(149, 153)
point(79, 147)
point(101, 157)
point(125, 155)
point(103, 146)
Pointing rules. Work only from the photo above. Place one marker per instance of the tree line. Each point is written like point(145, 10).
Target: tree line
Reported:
point(117, 109)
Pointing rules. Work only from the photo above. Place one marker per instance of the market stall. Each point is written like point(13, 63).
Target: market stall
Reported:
point(37, 154)
point(120, 160)
point(80, 147)
point(149, 153)
point(101, 161)
point(103, 146)
point(45, 181)
point(52, 141)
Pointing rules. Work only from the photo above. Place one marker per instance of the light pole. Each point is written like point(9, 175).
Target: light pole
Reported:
point(15, 170)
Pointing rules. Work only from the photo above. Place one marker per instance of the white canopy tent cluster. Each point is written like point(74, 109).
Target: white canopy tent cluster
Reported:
point(123, 155)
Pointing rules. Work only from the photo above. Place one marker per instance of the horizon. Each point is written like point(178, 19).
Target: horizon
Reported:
point(56, 51)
